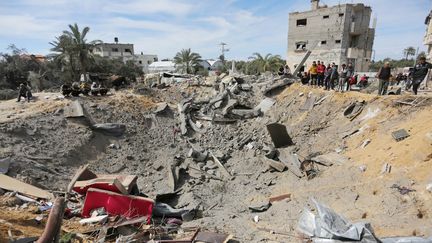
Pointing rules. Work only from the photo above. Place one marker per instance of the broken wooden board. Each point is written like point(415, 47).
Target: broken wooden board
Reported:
point(280, 198)
point(12, 184)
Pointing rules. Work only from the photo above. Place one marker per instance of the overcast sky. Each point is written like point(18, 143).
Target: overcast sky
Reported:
point(164, 27)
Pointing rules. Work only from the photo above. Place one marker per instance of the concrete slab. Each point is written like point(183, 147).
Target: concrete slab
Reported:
point(74, 110)
point(279, 135)
point(265, 104)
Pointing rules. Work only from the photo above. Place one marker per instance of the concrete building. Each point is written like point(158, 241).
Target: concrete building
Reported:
point(125, 52)
point(162, 66)
point(339, 34)
point(428, 36)
point(144, 61)
point(115, 50)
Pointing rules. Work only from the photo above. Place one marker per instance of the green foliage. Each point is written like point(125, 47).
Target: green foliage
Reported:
point(374, 67)
point(187, 61)
point(409, 51)
point(73, 51)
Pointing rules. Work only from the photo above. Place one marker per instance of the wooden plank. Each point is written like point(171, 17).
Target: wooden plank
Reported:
point(11, 184)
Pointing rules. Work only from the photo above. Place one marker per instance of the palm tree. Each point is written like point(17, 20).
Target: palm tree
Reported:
point(187, 60)
point(409, 51)
point(62, 45)
point(77, 45)
point(268, 62)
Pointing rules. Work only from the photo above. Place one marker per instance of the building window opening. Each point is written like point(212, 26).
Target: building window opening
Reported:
point(149, 62)
point(341, 14)
point(301, 46)
point(301, 22)
point(326, 17)
point(338, 41)
point(354, 41)
point(323, 42)
point(140, 62)
point(128, 50)
point(115, 49)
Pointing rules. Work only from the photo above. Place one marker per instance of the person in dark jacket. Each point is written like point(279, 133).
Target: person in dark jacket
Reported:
point(383, 75)
point(24, 91)
point(419, 73)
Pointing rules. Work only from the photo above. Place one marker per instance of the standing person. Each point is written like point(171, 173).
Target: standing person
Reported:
point(383, 75)
point(321, 69)
point(419, 73)
point(334, 76)
point(343, 74)
point(327, 75)
point(313, 72)
point(350, 75)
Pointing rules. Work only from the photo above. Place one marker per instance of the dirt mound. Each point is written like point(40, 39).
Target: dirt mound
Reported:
point(48, 147)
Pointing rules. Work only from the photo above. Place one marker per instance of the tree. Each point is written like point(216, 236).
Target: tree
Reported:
point(73, 47)
point(187, 61)
point(268, 62)
point(409, 51)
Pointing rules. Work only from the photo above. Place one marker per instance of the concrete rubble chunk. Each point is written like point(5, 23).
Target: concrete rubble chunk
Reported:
point(197, 155)
point(74, 110)
point(386, 168)
point(265, 105)
point(277, 165)
point(161, 108)
point(400, 135)
point(330, 159)
point(229, 106)
point(245, 113)
point(309, 103)
point(114, 129)
point(279, 135)
point(292, 162)
point(354, 109)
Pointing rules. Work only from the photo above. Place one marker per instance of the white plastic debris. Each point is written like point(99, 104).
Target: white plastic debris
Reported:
point(256, 218)
point(362, 168)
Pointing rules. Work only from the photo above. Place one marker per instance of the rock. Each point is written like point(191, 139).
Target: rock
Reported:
point(113, 129)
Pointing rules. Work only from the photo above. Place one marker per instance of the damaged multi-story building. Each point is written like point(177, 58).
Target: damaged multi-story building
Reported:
point(124, 52)
point(339, 34)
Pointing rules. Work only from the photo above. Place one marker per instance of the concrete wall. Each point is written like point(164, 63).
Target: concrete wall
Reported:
point(144, 60)
point(329, 33)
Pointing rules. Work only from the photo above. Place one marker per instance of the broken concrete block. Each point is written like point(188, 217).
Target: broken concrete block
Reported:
point(260, 207)
point(400, 135)
point(354, 109)
point(330, 159)
point(309, 103)
point(292, 162)
point(74, 110)
point(365, 143)
point(279, 135)
point(246, 113)
point(114, 129)
point(229, 106)
point(265, 105)
point(197, 155)
point(161, 108)
point(277, 165)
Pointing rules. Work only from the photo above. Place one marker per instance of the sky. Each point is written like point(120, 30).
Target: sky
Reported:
point(164, 27)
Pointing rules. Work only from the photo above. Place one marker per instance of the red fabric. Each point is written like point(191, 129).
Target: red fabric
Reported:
point(352, 81)
point(117, 204)
point(321, 68)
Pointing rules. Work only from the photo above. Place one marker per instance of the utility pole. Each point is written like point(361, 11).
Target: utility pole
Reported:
point(223, 49)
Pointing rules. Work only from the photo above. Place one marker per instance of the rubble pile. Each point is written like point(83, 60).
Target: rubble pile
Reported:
point(217, 159)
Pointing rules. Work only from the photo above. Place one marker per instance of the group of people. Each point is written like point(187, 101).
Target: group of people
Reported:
point(330, 77)
point(83, 88)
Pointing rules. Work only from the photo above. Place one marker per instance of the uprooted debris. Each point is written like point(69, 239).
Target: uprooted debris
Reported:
point(328, 226)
